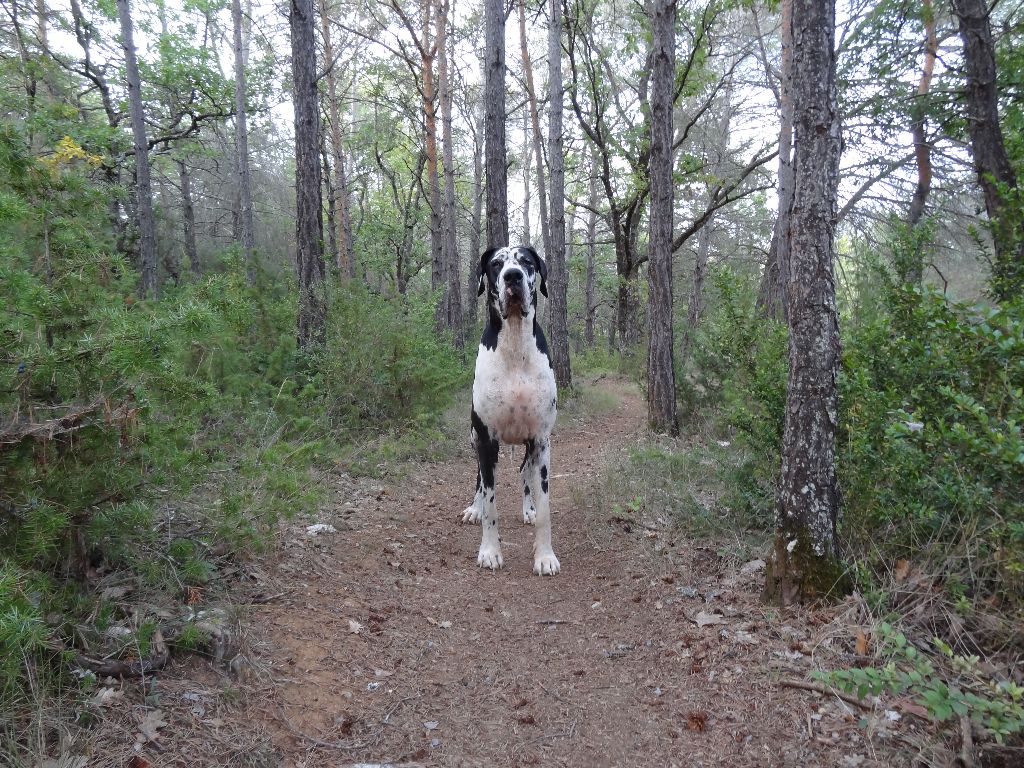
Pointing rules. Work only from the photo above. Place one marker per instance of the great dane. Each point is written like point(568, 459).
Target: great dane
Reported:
point(514, 399)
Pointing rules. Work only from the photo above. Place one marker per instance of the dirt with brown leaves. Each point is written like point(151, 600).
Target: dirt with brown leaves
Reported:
point(384, 643)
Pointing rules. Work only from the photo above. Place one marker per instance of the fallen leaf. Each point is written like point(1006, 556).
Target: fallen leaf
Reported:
point(430, 725)
point(861, 644)
point(914, 709)
point(901, 571)
point(354, 627)
point(444, 624)
point(704, 619)
point(744, 638)
point(151, 724)
point(382, 673)
point(106, 696)
point(696, 721)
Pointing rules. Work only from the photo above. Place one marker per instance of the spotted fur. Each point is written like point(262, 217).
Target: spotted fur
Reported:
point(514, 400)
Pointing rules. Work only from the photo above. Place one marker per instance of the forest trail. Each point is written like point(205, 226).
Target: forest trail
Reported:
point(390, 646)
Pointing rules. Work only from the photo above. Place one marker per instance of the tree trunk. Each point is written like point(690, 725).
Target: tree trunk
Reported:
point(527, 172)
point(661, 372)
point(912, 271)
point(309, 258)
point(805, 562)
point(588, 322)
point(332, 220)
point(538, 154)
point(771, 299)
point(188, 219)
point(558, 276)
point(472, 300)
point(494, 123)
point(143, 189)
point(991, 162)
point(242, 149)
point(339, 199)
point(450, 250)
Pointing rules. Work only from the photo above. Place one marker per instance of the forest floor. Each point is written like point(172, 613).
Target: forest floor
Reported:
point(384, 643)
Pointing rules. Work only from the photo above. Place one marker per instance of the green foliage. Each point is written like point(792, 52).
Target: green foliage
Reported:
point(960, 688)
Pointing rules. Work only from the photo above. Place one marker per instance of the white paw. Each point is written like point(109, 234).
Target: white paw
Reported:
point(472, 514)
point(489, 558)
point(546, 565)
point(529, 514)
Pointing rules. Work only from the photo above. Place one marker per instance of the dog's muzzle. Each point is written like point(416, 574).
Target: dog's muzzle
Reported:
point(513, 292)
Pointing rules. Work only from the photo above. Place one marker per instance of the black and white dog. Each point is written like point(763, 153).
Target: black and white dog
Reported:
point(514, 399)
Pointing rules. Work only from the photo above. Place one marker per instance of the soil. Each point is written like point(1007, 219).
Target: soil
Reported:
point(384, 643)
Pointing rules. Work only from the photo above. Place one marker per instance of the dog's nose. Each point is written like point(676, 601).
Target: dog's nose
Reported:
point(513, 277)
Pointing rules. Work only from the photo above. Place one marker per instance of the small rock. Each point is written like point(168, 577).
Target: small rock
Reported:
point(319, 528)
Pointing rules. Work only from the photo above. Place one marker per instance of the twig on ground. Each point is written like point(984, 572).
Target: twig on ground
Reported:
point(261, 599)
point(552, 621)
point(827, 692)
point(312, 739)
point(967, 756)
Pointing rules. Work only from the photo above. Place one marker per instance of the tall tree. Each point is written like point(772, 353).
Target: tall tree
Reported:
point(246, 225)
point(590, 292)
point(558, 275)
point(309, 257)
point(991, 161)
point(475, 120)
point(345, 254)
point(771, 299)
point(494, 123)
point(531, 99)
point(661, 379)
point(188, 219)
point(143, 187)
point(805, 560)
point(450, 251)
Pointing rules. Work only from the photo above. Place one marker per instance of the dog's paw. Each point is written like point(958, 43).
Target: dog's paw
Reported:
point(529, 514)
point(546, 564)
point(489, 557)
point(472, 514)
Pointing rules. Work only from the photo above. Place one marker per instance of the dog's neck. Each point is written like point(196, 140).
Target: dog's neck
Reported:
point(515, 331)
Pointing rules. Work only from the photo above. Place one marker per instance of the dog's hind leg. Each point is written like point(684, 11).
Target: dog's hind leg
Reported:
point(544, 561)
point(487, 454)
point(526, 473)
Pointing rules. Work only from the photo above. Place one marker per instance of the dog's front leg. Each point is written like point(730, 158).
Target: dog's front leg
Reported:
point(544, 561)
point(487, 455)
point(526, 473)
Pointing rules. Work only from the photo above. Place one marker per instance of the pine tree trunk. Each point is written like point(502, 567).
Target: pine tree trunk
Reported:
point(494, 123)
point(339, 199)
point(805, 565)
point(661, 373)
point(588, 323)
point(331, 229)
point(476, 219)
point(450, 250)
point(309, 259)
point(991, 162)
point(913, 271)
point(188, 219)
point(242, 148)
point(527, 238)
point(558, 275)
point(149, 286)
point(538, 154)
point(771, 299)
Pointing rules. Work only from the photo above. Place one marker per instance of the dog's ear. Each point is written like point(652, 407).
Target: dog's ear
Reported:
point(484, 260)
point(542, 267)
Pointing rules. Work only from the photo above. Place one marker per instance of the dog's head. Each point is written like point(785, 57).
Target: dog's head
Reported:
point(510, 276)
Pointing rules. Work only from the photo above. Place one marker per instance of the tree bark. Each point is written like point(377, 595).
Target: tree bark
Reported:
point(531, 97)
point(527, 172)
point(805, 563)
point(476, 219)
point(991, 162)
point(309, 259)
point(494, 123)
point(188, 219)
point(149, 286)
point(344, 253)
point(450, 249)
point(912, 272)
point(771, 299)
point(242, 149)
point(588, 322)
point(558, 276)
point(661, 372)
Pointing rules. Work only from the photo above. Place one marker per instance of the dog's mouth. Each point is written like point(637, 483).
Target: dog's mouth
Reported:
point(514, 299)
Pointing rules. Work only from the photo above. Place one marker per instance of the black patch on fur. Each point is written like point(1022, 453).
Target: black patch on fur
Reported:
point(541, 340)
point(490, 338)
point(531, 446)
point(544, 485)
point(486, 452)
point(544, 478)
point(526, 490)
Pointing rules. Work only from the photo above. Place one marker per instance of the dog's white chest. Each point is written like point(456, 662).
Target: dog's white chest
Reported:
point(514, 392)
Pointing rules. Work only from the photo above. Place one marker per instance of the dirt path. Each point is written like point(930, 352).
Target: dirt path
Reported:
point(394, 647)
